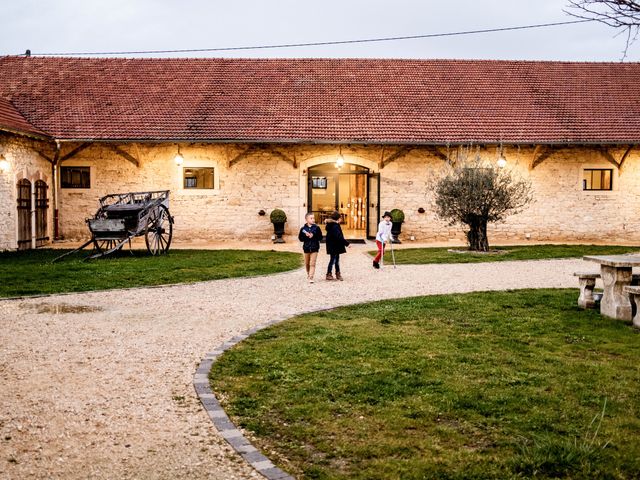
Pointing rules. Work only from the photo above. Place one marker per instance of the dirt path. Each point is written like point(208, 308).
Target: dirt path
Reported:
point(108, 393)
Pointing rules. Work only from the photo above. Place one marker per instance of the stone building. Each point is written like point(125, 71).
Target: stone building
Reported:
point(359, 136)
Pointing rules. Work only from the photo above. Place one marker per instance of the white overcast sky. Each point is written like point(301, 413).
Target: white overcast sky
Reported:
point(122, 25)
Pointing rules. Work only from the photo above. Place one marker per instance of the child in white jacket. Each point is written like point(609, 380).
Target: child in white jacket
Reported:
point(382, 237)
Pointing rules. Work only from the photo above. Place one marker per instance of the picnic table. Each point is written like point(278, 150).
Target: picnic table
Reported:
point(616, 273)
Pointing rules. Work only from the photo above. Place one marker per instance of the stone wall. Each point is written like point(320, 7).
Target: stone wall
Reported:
point(230, 211)
point(247, 181)
point(24, 162)
point(561, 209)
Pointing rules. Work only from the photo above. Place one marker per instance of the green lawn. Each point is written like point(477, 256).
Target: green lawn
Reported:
point(482, 385)
point(520, 252)
point(31, 272)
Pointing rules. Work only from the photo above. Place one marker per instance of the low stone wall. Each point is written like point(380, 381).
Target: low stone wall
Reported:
point(275, 176)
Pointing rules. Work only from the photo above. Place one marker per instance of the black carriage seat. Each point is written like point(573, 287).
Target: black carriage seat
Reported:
point(127, 211)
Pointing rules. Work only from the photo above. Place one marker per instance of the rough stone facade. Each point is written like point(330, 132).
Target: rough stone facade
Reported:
point(24, 162)
point(275, 176)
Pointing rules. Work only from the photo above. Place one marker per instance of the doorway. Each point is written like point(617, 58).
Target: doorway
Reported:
point(32, 215)
point(24, 214)
point(351, 190)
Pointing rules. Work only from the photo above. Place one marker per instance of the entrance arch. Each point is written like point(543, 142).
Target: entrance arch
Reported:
point(352, 190)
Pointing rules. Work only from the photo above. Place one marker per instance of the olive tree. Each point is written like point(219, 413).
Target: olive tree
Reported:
point(474, 194)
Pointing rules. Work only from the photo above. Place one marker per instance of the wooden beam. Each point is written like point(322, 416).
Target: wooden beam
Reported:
point(258, 147)
point(540, 154)
point(624, 156)
point(608, 156)
point(399, 153)
point(242, 155)
point(47, 158)
point(123, 154)
point(436, 152)
point(284, 157)
point(75, 151)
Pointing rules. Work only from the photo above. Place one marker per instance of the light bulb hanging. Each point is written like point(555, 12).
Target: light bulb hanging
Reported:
point(179, 159)
point(340, 160)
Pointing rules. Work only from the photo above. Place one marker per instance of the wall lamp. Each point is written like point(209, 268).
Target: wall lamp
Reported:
point(179, 159)
point(340, 160)
point(4, 164)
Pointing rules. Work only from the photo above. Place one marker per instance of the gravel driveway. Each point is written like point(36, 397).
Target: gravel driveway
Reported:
point(99, 385)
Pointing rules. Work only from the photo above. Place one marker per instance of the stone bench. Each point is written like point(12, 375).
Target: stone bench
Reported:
point(634, 295)
point(587, 281)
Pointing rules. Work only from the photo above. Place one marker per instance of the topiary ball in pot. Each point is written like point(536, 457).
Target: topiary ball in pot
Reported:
point(397, 217)
point(278, 218)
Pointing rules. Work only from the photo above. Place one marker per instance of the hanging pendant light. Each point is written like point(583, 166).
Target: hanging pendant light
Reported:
point(340, 160)
point(502, 162)
point(179, 159)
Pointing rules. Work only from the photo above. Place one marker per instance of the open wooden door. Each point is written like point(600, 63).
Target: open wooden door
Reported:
point(373, 210)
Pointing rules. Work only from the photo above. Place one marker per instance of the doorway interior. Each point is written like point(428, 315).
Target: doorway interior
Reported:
point(351, 190)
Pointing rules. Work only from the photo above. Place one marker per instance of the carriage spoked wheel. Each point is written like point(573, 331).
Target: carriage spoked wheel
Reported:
point(105, 245)
point(159, 231)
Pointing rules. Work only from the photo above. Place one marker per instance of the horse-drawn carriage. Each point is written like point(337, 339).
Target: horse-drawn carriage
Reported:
point(123, 216)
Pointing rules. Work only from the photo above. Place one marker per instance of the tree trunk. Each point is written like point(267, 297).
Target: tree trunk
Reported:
point(477, 237)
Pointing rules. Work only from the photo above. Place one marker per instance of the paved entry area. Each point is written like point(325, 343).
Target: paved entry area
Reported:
point(99, 385)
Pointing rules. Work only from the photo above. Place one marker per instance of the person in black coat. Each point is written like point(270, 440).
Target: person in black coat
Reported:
point(310, 236)
point(336, 244)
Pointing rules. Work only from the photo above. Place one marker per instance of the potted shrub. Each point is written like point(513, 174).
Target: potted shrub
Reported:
point(278, 218)
point(397, 217)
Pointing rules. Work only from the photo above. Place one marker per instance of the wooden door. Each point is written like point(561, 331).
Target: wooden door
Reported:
point(42, 210)
point(24, 214)
point(373, 202)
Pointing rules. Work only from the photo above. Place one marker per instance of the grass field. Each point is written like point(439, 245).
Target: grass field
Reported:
point(31, 272)
point(501, 254)
point(517, 384)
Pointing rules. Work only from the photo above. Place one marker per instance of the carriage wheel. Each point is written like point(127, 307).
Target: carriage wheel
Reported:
point(159, 231)
point(105, 245)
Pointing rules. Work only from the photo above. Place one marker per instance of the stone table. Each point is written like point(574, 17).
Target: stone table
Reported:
point(616, 273)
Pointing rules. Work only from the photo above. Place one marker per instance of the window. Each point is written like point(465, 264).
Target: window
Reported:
point(597, 179)
point(75, 177)
point(198, 177)
point(319, 182)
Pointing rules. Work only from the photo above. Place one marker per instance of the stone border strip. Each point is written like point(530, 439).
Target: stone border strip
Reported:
point(219, 417)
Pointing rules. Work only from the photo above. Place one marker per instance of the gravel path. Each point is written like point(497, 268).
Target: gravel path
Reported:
point(108, 393)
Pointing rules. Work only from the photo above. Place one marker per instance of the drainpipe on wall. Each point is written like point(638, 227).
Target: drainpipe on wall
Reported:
point(54, 168)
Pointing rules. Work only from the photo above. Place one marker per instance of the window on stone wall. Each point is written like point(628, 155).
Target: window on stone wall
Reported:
point(597, 179)
point(198, 177)
point(75, 177)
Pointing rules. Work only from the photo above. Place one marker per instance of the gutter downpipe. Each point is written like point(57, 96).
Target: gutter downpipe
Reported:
point(54, 169)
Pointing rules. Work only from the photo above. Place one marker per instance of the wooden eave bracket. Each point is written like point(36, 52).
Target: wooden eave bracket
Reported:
point(540, 154)
point(608, 156)
point(123, 154)
point(399, 153)
point(74, 152)
point(246, 153)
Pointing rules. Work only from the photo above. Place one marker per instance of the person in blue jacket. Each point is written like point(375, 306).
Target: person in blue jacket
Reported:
point(336, 244)
point(310, 236)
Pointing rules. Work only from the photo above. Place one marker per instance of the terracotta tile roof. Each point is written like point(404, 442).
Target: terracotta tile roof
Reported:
point(11, 120)
point(326, 100)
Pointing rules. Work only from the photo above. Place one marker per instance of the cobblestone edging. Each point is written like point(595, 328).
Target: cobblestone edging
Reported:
point(219, 417)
